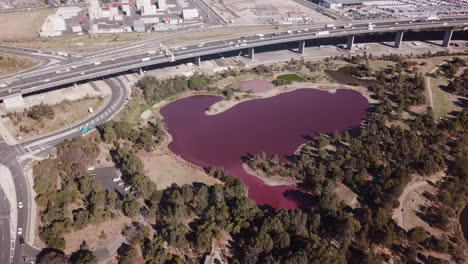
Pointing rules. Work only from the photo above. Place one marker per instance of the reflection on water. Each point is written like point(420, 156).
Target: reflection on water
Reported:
point(345, 75)
point(464, 222)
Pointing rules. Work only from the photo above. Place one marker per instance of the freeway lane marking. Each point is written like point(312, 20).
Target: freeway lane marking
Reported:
point(377, 25)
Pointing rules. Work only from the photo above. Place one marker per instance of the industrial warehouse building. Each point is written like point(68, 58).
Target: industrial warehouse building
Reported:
point(333, 4)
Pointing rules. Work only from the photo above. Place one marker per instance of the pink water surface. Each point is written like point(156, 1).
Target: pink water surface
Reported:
point(276, 125)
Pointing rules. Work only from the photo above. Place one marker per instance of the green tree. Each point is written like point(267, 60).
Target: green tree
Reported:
point(127, 254)
point(39, 112)
point(417, 234)
point(83, 257)
point(48, 256)
point(131, 208)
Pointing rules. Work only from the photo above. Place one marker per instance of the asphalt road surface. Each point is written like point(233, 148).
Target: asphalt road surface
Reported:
point(70, 73)
point(11, 157)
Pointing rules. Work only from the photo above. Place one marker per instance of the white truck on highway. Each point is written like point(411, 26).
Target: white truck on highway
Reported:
point(145, 59)
point(97, 63)
point(330, 26)
point(321, 33)
point(151, 52)
point(429, 18)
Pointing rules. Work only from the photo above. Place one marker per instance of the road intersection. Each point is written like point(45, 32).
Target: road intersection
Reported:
point(16, 158)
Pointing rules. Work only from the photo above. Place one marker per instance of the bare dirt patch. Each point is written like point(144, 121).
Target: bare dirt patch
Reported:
point(165, 169)
point(23, 24)
point(12, 63)
point(80, 43)
point(347, 195)
point(92, 234)
point(66, 113)
point(411, 201)
point(255, 86)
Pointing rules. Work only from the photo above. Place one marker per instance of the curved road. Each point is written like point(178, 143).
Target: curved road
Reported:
point(16, 157)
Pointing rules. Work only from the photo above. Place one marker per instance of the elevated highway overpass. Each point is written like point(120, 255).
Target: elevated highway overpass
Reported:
point(87, 69)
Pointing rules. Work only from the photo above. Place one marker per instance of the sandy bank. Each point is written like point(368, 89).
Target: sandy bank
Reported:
point(274, 180)
point(225, 105)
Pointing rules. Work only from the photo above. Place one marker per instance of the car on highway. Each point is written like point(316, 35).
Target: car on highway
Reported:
point(20, 231)
point(116, 66)
point(40, 78)
point(20, 205)
point(82, 73)
point(21, 241)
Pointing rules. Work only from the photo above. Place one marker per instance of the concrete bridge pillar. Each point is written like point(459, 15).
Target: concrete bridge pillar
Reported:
point(13, 101)
point(251, 53)
point(349, 45)
point(447, 37)
point(141, 72)
point(398, 39)
point(198, 61)
point(75, 85)
point(301, 47)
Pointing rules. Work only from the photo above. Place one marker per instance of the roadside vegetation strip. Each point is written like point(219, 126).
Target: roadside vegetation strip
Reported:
point(290, 77)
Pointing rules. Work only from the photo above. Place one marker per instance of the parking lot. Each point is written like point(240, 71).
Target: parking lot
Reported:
point(110, 178)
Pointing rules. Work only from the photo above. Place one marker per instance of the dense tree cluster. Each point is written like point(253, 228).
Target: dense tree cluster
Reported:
point(450, 69)
point(145, 137)
point(41, 111)
point(459, 84)
point(63, 181)
point(155, 90)
point(133, 172)
point(268, 166)
point(378, 162)
point(190, 218)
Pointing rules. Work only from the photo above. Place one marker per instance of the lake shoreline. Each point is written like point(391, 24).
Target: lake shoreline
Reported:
point(224, 105)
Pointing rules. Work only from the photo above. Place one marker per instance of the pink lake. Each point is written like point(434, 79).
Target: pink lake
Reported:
point(275, 125)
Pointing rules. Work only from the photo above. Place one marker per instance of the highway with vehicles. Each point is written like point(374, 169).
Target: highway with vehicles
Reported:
point(17, 157)
point(83, 70)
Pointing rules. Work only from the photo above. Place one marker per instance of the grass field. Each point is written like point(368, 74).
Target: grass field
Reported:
point(442, 103)
point(66, 113)
point(377, 65)
point(23, 24)
point(290, 77)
